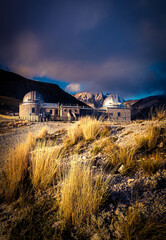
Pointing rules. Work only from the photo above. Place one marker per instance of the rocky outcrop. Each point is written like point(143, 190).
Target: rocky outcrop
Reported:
point(94, 100)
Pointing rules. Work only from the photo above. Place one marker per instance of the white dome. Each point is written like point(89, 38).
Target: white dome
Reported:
point(114, 101)
point(33, 97)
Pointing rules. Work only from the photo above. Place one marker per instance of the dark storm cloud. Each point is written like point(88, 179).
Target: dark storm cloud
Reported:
point(109, 45)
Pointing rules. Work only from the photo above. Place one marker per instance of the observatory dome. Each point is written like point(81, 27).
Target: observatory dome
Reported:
point(114, 101)
point(33, 97)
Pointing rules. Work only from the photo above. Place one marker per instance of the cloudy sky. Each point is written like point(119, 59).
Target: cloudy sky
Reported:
point(95, 45)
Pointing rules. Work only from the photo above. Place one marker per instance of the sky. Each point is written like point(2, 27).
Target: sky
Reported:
point(109, 46)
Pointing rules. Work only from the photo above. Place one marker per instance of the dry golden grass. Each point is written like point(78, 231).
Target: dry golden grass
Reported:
point(9, 117)
point(43, 132)
point(45, 166)
point(98, 146)
point(90, 128)
point(153, 163)
point(16, 166)
point(81, 195)
point(117, 156)
point(150, 140)
point(159, 113)
point(137, 226)
point(87, 128)
point(74, 135)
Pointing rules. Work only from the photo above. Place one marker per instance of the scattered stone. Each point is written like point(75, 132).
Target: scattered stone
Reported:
point(161, 145)
point(121, 169)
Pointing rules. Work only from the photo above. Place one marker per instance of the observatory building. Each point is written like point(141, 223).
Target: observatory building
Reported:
point(34, 108)
point(114, 107)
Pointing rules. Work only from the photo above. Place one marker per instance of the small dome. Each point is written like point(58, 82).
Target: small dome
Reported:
point(33, 97)
point(114, 101)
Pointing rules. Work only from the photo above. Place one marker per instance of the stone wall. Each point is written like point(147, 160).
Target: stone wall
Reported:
point(29, 110)
point(119, 114)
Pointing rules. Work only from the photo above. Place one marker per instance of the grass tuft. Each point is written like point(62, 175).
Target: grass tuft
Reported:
point(151, 164)
point(45, 164)
point(90, 128)
point(82, 193)
point(150, 140)
point(138, 226)
point(16, 167)
point(43, 132)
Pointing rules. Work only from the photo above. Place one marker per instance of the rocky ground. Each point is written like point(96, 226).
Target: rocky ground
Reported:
point(124, 189)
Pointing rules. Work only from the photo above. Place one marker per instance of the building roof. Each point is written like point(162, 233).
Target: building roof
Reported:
point(49, 105)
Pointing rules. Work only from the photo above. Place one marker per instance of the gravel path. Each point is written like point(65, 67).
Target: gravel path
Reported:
point(19, 135)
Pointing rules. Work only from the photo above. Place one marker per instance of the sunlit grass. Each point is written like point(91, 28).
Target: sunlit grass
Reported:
point(82, 193)
point(148, 141)
point(45, 166)
point(43, 132)
point(152, 163)
point(90, 128)
point(137, 226)
point(16, 168)
point(9, 117)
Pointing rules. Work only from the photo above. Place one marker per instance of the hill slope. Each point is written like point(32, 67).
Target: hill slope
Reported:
point(15, 86)
point(143, 107)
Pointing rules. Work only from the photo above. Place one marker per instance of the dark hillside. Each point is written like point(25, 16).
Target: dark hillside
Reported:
point(143, 107)
point(16, 86)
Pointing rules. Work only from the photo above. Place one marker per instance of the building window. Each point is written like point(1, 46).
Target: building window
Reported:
point(56, 111)
point(33, 110)
point(118, 114)
point(75, 110)
point(64, 110)
point(51, 111)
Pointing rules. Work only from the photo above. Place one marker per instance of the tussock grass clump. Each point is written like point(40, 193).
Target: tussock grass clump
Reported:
point(16, 168)
point(117, 156)
point(87, 129)
point(152, 163)
point(90, 128)
point(43, 132)
point(159, 113)
point(150, 140)
point(45, 167)
point(74, 135)
point(98, 146)
point(138, 226)
point(82, 193)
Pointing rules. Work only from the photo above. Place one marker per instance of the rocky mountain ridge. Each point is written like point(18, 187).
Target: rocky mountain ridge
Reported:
point(94, 100)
